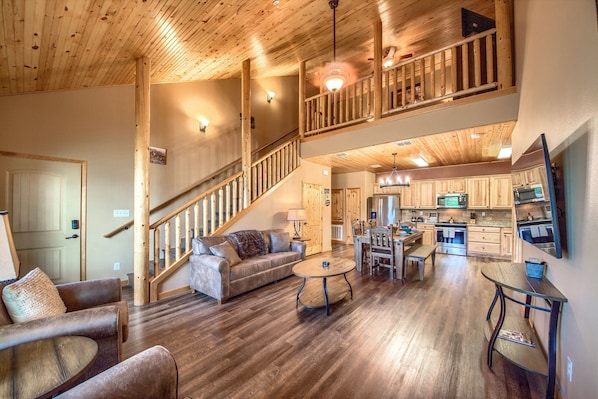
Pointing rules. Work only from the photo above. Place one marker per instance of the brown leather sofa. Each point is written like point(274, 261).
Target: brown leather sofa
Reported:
point(151, 374)
point(95, 309)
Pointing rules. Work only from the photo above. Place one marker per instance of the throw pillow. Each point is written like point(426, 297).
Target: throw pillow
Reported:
point(225, 250)
point(250, 243)
point(33, 297)
point(280, 241)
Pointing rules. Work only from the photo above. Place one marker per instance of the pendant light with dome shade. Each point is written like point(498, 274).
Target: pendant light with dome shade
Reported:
point(334, 76)
point(394, 180)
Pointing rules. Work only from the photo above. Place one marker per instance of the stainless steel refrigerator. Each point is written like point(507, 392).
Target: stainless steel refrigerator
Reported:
point(384, 209)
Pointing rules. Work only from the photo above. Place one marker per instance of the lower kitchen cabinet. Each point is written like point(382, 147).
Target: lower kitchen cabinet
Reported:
point(484, 241)
point(506, 242)
point(429, 233)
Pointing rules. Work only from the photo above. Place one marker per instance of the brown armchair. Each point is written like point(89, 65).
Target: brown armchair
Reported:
point(151, 374)
point(95, 309)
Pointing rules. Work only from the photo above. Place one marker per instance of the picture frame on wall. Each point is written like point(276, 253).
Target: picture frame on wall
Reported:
point(158, 155)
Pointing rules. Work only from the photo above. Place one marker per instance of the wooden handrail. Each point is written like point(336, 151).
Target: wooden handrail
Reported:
point(286, 137)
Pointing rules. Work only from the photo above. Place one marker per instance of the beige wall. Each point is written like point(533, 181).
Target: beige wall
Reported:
point(98, 126)
point(557, 42)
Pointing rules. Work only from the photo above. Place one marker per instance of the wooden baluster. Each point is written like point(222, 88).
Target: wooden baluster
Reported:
point(395, 103)
point(206, 230)
point(477, 63)
point(212, 212)
point(177, 237)
point(422, 79)
point(412, 85)
point(187, 230)
point(196, 215)
point(156, 248)
point(490, 59)
point(465, 67)
point(454, 66)
point(442, 73)
point(329, 102)
point(432, 76)
point(228, 204)
point(403, 85)
point(167, 249)
point(235, 197)
point(220, 207)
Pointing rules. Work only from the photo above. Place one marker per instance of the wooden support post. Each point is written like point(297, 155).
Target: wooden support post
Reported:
point(141, 183)
point(378, 70)
point(246, 132)
point(302, 77)
point(504, 42)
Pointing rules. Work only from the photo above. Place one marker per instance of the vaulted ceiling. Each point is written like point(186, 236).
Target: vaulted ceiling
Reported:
point(71, 44)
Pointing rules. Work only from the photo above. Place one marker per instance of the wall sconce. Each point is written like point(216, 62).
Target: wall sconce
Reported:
point(203, 125)
point(270, 97)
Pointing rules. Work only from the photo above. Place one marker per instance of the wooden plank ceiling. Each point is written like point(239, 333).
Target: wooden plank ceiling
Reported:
point(475, 145)
point(71, 44)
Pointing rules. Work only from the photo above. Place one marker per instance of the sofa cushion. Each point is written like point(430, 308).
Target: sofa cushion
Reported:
point(249, 267)
point(226, 250)
point(201, 245)
point(32, 297)
point(266, 235)
point(250, 243)
point(4, 316)
point(280, 241)
point(281, 258)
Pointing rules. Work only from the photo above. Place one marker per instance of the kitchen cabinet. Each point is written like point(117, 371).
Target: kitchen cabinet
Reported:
point(407, 197)
point(478, 193)
point(501, 192)
point(386, 190)
point(484, 241)
point(425, 194)
point(448, 186)
point(429, 237)
point(535, 175)
point(506, 242)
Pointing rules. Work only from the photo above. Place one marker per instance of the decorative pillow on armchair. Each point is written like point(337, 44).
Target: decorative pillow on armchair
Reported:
point(225, 250)
point(33, 297)
point(280, 241)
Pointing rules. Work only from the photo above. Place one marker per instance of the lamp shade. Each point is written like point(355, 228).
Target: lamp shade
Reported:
point(297, 214)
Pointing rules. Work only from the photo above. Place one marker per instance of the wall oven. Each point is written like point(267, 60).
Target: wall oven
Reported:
point(451, 238)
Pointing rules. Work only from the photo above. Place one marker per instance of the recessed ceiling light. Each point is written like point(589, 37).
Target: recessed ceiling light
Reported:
point(475, 135)
point(404, 143)
point(341, 154)
point(420, 162)
point(375, 166)
point(505, 152)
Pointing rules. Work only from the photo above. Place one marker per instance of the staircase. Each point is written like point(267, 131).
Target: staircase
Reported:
point(213, 210)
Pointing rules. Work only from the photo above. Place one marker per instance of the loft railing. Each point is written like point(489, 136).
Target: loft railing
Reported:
point(211, 211)
point(464, 68)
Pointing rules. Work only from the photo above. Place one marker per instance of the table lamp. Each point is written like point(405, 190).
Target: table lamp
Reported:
point(297, 215)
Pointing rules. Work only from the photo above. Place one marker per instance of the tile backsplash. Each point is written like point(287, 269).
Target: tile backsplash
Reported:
point(459, 215)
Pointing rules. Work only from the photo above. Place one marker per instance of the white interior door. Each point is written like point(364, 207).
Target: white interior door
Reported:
point(43, 199)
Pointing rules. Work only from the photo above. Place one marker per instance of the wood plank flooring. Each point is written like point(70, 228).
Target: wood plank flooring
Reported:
point(418, 340)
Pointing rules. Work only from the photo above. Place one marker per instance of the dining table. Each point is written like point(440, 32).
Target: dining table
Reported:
point(401, 242)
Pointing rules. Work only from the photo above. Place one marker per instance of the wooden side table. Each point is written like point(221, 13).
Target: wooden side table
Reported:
point(40, 369)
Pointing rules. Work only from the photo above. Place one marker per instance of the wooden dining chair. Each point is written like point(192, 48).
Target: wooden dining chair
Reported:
point(358, 228)
point(382, 249)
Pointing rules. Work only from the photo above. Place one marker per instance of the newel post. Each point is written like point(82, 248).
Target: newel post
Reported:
point(141, 183)
point(378, 70)
point(302, 99)
point(504, 42)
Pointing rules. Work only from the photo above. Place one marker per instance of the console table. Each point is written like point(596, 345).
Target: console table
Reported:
point(530, 358)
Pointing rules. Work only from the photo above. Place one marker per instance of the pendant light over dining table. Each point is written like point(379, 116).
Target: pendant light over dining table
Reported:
point(334, 76)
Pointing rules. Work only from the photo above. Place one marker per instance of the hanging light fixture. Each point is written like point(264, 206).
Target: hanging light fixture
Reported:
point(394, 180)
point(334, 76)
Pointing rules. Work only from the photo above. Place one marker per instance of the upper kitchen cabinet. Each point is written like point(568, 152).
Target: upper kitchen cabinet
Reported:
point(426, 194)
point(407, 197)
point(501, 192)
point(535, 175)
point(449, 186)
point(478, 192)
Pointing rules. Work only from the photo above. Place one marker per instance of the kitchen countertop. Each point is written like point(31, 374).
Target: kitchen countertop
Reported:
point(481, 223)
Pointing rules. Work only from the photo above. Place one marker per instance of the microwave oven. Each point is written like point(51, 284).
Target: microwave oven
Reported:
point(451, 201)
point(527, 194)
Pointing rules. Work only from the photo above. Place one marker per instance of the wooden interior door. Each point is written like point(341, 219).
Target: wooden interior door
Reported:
point(353, 206)
point(43, 197)
point(312, 228)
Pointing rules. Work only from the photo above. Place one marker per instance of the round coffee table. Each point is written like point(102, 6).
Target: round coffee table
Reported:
point(39, 369)
point(314, 297)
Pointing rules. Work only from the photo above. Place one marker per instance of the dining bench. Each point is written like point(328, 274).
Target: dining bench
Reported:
point(419, 253)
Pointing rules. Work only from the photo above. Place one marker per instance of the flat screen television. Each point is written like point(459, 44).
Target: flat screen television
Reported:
point(535, 199)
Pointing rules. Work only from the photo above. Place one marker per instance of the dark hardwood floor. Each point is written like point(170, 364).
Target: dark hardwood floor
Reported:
point(418, 340)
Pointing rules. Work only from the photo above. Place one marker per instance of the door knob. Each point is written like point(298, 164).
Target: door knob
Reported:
point(73, 236)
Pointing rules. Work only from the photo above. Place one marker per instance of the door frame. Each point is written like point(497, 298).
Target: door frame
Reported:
point(82, 199)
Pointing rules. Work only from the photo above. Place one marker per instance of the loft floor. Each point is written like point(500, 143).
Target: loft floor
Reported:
point(419, 340)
